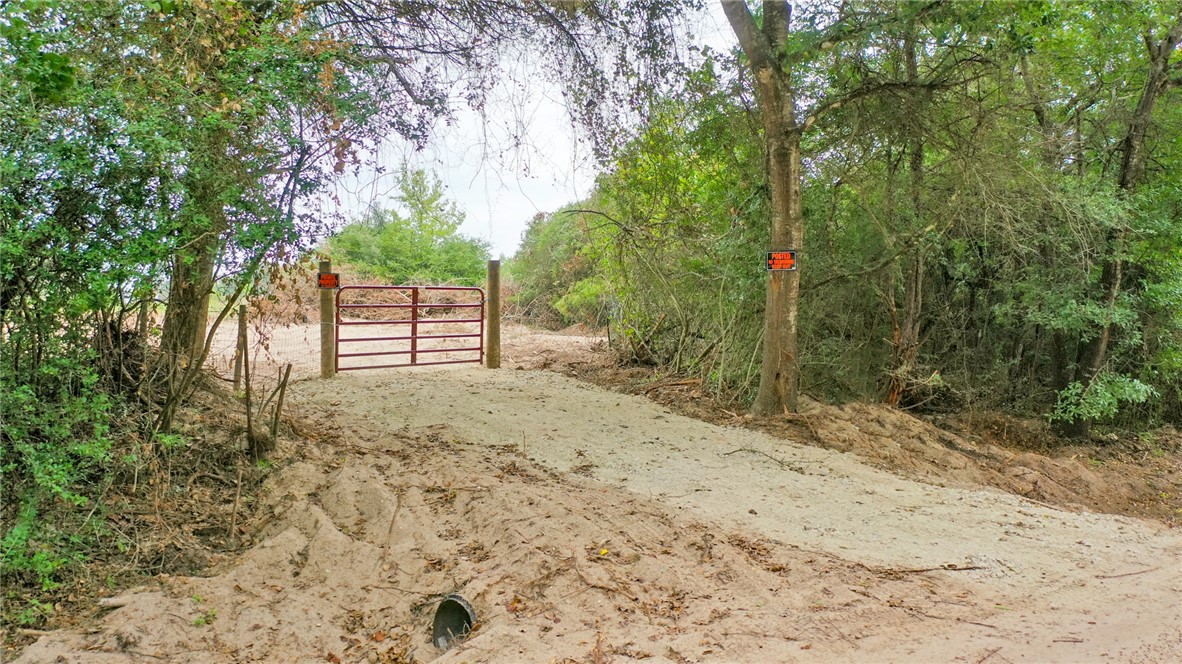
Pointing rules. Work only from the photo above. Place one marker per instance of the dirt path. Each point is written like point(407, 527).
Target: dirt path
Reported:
point(586, 525)
point(1047, 567)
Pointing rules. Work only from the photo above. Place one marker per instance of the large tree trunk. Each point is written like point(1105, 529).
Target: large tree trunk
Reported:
point(183, 332)
point(778, 377)
point(905, 336)
point(182, 340)
point(765, 46)
point(186, 318)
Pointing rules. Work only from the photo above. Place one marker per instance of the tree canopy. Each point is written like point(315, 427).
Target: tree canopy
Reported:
point(155, 150)
point(986, 190)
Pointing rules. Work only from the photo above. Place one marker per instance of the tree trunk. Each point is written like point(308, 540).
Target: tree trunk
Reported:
point(185, 319)
point(779, 373)
point(765, 46)
point(186, 316)
point(906, 336)
point(1061, 374)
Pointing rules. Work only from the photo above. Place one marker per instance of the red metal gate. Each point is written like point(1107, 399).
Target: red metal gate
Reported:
point(414, 296)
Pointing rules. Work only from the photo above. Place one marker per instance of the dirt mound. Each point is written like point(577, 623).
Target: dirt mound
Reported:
point(1033, 574)
point(974, 451)
point(356, 545)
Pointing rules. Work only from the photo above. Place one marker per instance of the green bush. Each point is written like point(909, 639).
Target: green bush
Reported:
point(550, 262)
point(56, 442)
point(53, 447)
point(586, 301)
point(1101, 399)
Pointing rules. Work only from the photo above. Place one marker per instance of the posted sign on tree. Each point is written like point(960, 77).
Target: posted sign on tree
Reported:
point(781, 260)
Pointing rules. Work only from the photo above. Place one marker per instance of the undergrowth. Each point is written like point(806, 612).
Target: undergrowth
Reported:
point(92, 505)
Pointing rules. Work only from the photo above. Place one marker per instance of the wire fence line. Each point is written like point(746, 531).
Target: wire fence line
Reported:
point(269, 347)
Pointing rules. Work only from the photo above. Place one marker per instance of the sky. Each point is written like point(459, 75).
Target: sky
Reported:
point(521, 157)
point(499, 182)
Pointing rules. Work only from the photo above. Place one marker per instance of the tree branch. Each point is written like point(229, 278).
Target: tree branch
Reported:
point(822, 107)
point(845, 30)
point(752, 41)
point(621, 225)
point(777, 15)
point(886, 261)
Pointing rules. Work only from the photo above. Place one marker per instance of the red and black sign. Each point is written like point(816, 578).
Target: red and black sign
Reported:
point(330, 280)
point(781, 260)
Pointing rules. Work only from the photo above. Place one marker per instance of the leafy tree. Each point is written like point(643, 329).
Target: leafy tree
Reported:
point(421, 244)
point(780, 56)
point(550, 265)
point(961, 178)
point(668, 245)
point(1089, 386)
point(152, 149)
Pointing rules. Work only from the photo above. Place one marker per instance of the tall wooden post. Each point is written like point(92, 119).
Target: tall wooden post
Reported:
point(492, 358)
point(328, 323)
point(414, 324)
point(241, 347)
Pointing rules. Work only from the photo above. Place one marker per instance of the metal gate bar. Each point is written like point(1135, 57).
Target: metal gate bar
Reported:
point(415, 321)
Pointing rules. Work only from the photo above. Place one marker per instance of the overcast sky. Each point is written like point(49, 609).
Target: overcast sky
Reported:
point(522, 157)
point(498, 181)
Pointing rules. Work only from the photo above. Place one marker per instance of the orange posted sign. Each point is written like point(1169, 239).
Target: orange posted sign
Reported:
point(330, 280)
point(781, 260)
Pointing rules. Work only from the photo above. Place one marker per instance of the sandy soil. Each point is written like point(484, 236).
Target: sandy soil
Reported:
point(588, 525)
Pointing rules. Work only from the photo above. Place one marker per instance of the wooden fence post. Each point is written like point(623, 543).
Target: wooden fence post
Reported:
point(328, 345)
point(241, 347)
point(414, 324)
point(492, 358)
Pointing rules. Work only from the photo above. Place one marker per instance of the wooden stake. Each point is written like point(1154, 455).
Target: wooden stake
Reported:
point(250, 439)
point(492, 358)
point(328, 346)
point(241, 347)
point(234, 514)
point(279, 404)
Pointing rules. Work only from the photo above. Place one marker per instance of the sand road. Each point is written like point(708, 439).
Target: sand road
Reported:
point(591, 526)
